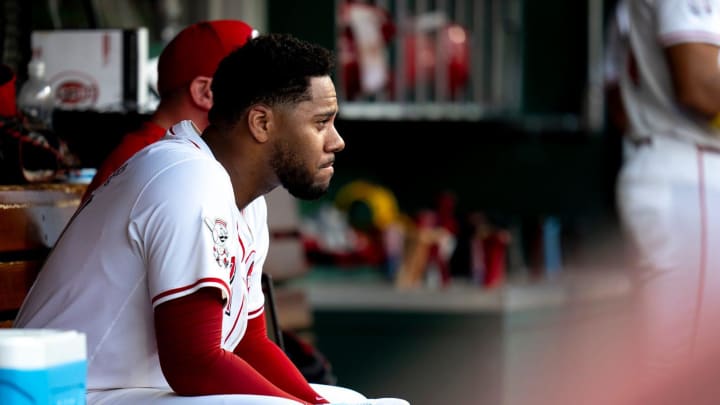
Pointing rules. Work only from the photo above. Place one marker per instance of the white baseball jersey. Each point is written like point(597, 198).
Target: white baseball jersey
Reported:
point(163, 226)
point(648, 91)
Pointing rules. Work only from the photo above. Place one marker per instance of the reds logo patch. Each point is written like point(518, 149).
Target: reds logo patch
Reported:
point(219, 230)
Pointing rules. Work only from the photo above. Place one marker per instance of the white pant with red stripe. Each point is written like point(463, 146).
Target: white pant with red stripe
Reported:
point(336, 395)
point(669, 202)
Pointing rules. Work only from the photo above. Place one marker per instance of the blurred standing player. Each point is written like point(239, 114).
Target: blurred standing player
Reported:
point(185, 69)
point(161, 267)
point(669, 185)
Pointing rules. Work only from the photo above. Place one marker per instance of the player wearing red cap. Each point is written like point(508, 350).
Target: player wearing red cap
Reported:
point(185, 70)
point(161, 267)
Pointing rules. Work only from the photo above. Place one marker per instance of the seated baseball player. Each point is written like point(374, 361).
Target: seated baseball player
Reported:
point(161, 266)
point(184, 73)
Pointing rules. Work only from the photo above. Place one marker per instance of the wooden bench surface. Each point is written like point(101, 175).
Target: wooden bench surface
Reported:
point(31, 219)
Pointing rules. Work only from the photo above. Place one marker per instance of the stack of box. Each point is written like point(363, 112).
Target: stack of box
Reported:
point(100, 70)
point(41, 366)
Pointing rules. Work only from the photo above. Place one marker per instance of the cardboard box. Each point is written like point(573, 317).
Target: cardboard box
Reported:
point(42, 366)
point(102, 69)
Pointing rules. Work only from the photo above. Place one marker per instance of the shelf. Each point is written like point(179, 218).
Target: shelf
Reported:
point(360, 290)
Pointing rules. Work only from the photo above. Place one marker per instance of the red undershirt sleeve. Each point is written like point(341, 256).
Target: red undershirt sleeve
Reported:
point(188, 332)
point(268, 359)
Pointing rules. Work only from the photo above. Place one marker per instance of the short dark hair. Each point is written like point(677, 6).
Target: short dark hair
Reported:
point(271, 69)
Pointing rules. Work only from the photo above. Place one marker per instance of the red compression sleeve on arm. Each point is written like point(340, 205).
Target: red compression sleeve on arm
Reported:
point(188, 332)
point(268, 359)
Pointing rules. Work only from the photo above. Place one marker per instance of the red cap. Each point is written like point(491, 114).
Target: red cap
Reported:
point(197, 50)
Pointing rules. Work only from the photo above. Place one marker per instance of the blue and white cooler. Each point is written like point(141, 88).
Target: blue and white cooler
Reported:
point(42, 366)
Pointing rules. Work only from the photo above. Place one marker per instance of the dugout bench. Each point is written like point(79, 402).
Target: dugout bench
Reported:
point(31, 219)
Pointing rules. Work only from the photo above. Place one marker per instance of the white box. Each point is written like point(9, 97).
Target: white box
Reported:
point(101, 69)
point(42, 366)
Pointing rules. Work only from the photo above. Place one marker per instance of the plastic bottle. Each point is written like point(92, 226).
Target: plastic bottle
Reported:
point(36, 99)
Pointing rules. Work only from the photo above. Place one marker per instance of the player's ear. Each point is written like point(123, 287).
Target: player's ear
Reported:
point(201, 93)
point(260, 122)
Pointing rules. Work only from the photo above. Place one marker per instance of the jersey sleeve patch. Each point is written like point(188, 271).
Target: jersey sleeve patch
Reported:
point(219, 230)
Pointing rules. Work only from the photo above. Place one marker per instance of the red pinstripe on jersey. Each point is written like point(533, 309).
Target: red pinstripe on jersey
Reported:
point(703, 241)
point(242, 245)
point(202, 282)
point(247, 259)
point(237, 318)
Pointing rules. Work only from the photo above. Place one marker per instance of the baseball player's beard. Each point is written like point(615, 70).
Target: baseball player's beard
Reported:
point(293, 175)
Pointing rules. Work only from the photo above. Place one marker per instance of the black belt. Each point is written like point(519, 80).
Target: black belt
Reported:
point(708, 148)
point(648, 141)
point(641, 141)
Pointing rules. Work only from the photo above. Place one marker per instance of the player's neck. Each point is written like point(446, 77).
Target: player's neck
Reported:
point(243, 162)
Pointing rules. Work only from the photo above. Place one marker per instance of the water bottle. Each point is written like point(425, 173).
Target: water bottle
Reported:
point(36, 99)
